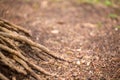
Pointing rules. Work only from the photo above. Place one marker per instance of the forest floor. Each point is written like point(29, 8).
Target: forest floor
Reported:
point(88, 34)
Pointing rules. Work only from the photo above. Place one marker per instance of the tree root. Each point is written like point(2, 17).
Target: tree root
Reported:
point(2, 77)
point(30, 42)
point(11, 39)
point(14, 27)
point(10, 63)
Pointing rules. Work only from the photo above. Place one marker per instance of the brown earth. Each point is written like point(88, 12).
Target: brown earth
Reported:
point(84, 32)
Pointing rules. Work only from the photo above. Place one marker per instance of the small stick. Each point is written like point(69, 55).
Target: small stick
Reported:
point(24, 64)
point(15, 26)
point(4, 29)
point(12, 51)
point(1, 41)
point(8, 62)
point(42, 70)
point(2, 77)
point(14, 78)
point(8, 42)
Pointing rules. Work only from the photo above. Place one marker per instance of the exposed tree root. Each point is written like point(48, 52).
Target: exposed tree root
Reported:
point(11, 64)
point(3, 77)
point(12, 37)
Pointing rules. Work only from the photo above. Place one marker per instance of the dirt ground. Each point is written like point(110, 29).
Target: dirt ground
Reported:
point(84, 32)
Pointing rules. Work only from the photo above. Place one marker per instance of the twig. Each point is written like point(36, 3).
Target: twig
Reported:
point(12, 51)
point(15, 26)
point(9, 63)
point(2, 77)
point(24, 64)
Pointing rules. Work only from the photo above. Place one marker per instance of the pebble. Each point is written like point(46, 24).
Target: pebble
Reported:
point(116, 29)
point(78, 62)
point(82, 61)
point(88, 63)
point(37, 38)
point(55, 31)
point(78, 50)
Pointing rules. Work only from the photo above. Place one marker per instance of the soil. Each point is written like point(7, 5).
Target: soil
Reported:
point(84, 32)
